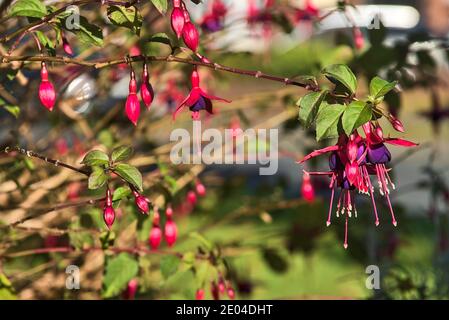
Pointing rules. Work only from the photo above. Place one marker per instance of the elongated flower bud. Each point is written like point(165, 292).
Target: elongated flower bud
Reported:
point(199, 294)
point(221, 285)
point(131, 290)
point(132, 106)
point(109, 216)
point(155, 233)
point(231, 293)
point(200, 189)
point(191, 198)
point(397, 124)
point(66, 46)
point(171, 230)
point(190, 33)
point(141, 202)
point(47, 94)
point(307, 191)
point(214, 291)
point(146, 90)
point(359, 41)
point(177, 21)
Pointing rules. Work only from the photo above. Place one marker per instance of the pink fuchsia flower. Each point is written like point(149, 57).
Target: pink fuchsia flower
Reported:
point(132, 106)
point(177, 18)
point(155, 233)
point(66, 46)
point(146, 90)
point(309, 12)
point(190, 33)
point(231, 292)
point(47, 94)
point(197, 99)
point(191, 198)
point(352, 161)
point(171, 230)
point(141, 202)
point(307, 191)
point(200, 189)
point(108, 211)
point(213, 20)
point(131, 290)
point(359, 40)
point(199, 295)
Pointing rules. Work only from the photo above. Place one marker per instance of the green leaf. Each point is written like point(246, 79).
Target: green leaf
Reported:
point(125, 17)
point(355, 115)
point(309, 105)
point(120, 193)
point(130, 174)
point(97, 178)
point(275, 260)
point(342, 74)
point(14, 110)
point(119, 271)
point(380, 87)
point(86, 32)
point(200, 238)
point(169, 265)
point(161, 5)
point(121, 153)
point(161, 38)
point(95, 158)
point(328, 120)
point(28, 8)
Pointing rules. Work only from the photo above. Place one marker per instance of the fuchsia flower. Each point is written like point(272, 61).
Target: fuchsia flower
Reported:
point(359, 40)
point(307, 191)
point(66, 46)
point(141, 202)
point(47, 93)
point(132, 106)
point(171, 230)
point(199, 295)
point(200, 189)
point(213, 20)
point(352, 161)
point(131, 290)
point(108, 211)
point(190, 34)
point(155, 233)
point(191, 198)
point(146, 90)
point(197, 99)
point(177, 18)
point(309, 12)
point(231, 293)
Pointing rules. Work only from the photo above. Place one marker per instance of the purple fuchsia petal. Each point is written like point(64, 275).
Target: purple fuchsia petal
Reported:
point(378, 154)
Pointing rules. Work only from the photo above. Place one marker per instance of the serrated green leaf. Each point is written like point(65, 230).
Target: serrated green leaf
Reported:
point(130, 174)
point(125, 17)
point(309, 106)
point(169, 265)
point(119, 271)
point(161, 5)
point(28, 8)
point(342, 74)
point(328, 120)
point(161, 38)
point(97, 178)
point(355, 115)
point(379, 87)
point(121, 153)
point(95, 158)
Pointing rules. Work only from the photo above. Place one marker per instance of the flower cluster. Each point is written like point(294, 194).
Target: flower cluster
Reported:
point(217, 288)
point(182, 26)
point(170, 229)
point(352, 162)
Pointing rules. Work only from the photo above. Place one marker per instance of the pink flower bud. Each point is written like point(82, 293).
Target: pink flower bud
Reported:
point(307, 191)
point(155, 237)
point(109, 216)
point(146, 90)
point(47, 93)
point(221, 285)
point(177, 21)
point(141, 202)
point(359, 41)
point(200, 189)
point(131, 290)
point(66, 46)
point(169, 212)
point(191, 198)
point(214, 291)
point(132, 106)
point(199, 294)
point(171, 232)
point(397, 124)
point(190, 33)
point(231, 293)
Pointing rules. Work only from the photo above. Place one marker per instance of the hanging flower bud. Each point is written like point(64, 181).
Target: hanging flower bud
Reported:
point(359, 40)
point(214, 291)
point(131, 290)
point(190, 33)
point(221, 285)
point(155, 233)
point(146, 90)
point(231, 293)
point(307, 191)
point(132, 106)
point(200, 189)
point(171, 230)
point(66, 46)
point(191, 198)
point(141, 202)
point(47, 93)
point(397, 124)
point(108, 211)
point(177, 18)
point(199, 294)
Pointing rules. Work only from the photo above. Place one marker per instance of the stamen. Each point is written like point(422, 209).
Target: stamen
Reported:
point(371, 189)
point(393, 218)
point(345, 245)
point(328, 222)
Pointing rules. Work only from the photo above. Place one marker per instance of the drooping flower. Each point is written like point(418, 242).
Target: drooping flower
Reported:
point(141, 202)
point(309, 12)
point(47, 94)
point(108, 211)
point(131, 290)
point(352, 161)
point(197, 99)
point(190, 33)
point(132, 106)
point(146, 90)
point(171, 230)
point(177, 18)
point(213, 20)
point(155, 233)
